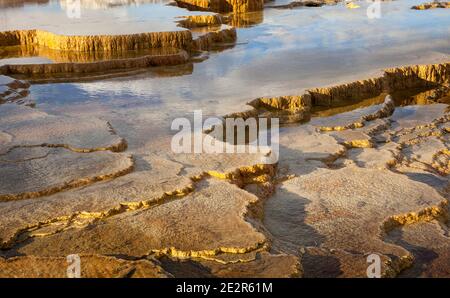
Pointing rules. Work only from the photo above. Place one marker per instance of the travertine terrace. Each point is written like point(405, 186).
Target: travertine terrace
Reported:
point(236, 6)
point(382, 153)
point(362, 166)
point(431, 5)
point(174, 50)
point(295, 108)
point(100, 55)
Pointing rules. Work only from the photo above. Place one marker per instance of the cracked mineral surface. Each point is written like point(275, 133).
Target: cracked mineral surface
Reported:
point(87, 167)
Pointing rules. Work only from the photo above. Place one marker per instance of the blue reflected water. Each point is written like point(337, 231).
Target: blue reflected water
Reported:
point(289, 51)
point(92, 16)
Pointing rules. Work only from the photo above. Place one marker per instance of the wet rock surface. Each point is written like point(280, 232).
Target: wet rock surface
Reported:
point(371, 180)
point(25, 166)
point(396, 162)
point(46, 54)
point(15, 91)
point(298, 108)
point(171, 48)
point(29, 127)
point(429, 243)
point(93, 266)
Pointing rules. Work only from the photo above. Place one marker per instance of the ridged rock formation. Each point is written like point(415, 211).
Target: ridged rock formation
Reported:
point(93, 43)
point(298, 107)
point(416, 76)
point(172, 45)
point(431, 5)
point(201, 21)
point(25, 164)
point(20, 3)
point(237, 6)
point(57, 56)
point(116, 43)
point(243, 20)
point(331, 96)
point(347, 193)
point(287, 108)
point(393, 79)
point(234, 253)
point(291, 103)
point(381, 111)
point(239, 20)
point(92, 266)
point(100, 66)
point(430, 250)
point(256, 265)
point(377, 176)
point(206, 41)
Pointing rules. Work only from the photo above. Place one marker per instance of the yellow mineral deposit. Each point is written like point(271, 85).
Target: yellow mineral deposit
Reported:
point(431, 5)
point(236, 6)
point(169, 48)
point(394, 79)
point(202, 21)
point(352, 5)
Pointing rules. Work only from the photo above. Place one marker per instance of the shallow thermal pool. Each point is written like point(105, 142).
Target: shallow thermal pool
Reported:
point(92, 17)
point(284, 52)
